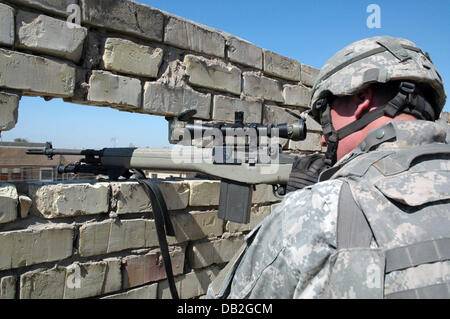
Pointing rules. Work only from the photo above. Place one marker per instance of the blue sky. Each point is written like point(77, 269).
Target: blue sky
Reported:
point(309, 31)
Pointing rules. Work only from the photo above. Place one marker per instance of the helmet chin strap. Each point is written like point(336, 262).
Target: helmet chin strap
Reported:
point(404, 100)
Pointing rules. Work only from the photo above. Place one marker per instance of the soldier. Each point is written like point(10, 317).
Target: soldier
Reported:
point(377, 225)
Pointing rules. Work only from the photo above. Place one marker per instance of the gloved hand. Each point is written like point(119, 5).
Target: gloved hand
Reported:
point(305, 171)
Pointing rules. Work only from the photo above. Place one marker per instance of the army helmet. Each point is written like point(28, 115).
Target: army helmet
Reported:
point(378, 59)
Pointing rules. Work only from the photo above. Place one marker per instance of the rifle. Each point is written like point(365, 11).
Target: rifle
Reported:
point(246, 161)
point(239, 165)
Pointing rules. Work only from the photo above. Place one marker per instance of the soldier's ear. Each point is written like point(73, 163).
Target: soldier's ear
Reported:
point(364, 102)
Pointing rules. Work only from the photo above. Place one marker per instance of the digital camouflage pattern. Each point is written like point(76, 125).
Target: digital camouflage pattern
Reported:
point(378, 59)
point(404, 195)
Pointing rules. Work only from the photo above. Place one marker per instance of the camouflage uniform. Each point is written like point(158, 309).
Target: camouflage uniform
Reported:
point(294, 252)
point(378, 223)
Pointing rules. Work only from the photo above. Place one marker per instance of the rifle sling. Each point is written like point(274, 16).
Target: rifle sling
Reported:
point(163, 226)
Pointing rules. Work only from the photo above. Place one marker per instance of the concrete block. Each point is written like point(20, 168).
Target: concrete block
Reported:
point(309, 75)
point(262, 87)
point(168, 100)
point(25, 204)
point(312, 143)
point(246, 53)
point(79, 280)
point(187, 35)
point(95, 278)
point(275, 114)
point(8, 287)
point(6, 25)
point(8, 203)
point(68, 200)
point(109, 89)
point(191, 285)
point(9, 110)
point(195, 225)
point(264, 194)
point(108, 236)
point(224, 108)
point(145, 292)
point(42, 243)
point(219, 251)
point(296, 95)
point(131, 58)
point(139, 270)
point(204, 193)
point(281, 66)
point(36, 75)
point(257, 215)
point(130, 197)
point(124, 16)
point(50, 36)
point(176, 194)
point(43, 284)
point(213, 74)
point(58, 7)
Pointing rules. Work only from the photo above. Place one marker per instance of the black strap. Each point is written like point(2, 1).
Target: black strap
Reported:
point(163, 226)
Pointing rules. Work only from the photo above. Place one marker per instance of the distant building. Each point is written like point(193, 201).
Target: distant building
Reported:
point(16, 165)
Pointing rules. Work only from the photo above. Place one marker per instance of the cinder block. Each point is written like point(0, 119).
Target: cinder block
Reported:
point(204, 193)
point(124, 16)
point(139, 270)
point(109, 89)
point(312, 143)
point(36, 75)
point(281, 66)
point(25, 204)
point(191, 285)
point(224, 109)
point(108, 236)
point(262, 87)
point(79, 280)
point(8, 203)
point(44, 243)
point(309, 75)
point(213, 74)
point(162, 99)
point(50, 36)
point(94, 279)
point(131, 58)
point(130, 197)
point(58, 7)
point(296, 95)
point(43, 284)
point(187, 35)
point(257, 215)
point(264, 194)
point(67, 200)
point(145, 292)
point(6, 25)
point(8, 287)
point(276, 115)
point(246, 53)
point(195, 225)
point(219, 251)
point(9, 110)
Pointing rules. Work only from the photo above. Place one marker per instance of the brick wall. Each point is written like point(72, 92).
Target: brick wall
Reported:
point(135, 58)
point(80, 240)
